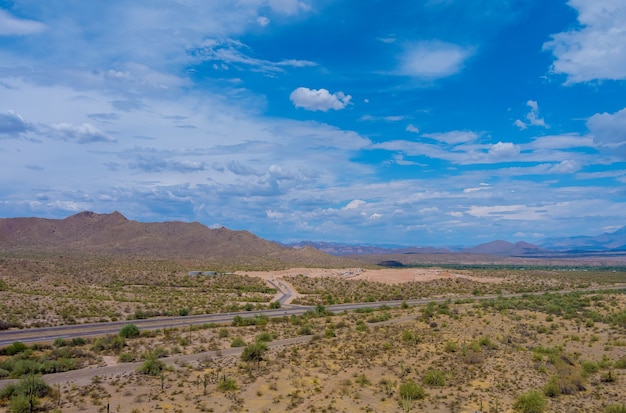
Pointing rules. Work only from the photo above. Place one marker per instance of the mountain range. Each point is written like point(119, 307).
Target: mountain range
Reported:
point(113, 234)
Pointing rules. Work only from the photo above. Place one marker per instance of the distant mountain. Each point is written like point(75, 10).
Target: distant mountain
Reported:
point(113, 234)
point(519, 249)
point(339, 249)
point(608, 241)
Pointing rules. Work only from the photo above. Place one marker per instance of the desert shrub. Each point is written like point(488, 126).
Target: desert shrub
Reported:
point(126, 358)
point(15, 348)
point(530, 402)
point(265, 337)
point(409, 336)
point(4, 325)
point(129, 330)
point(305, 330)
point(227, 384)
point(21, 404)
point(621, 363)
point(451, 347)
point(435, 378)
point(361, 326)
point(552, 388)
point(589, 367)
point(152, 366)
point(115, 343)
point(615, 408)
point(362, 380)
point(410, 390)
point(238, 342)
point(223, 333)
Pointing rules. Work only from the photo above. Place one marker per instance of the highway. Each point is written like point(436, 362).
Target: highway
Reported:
point(88, 330)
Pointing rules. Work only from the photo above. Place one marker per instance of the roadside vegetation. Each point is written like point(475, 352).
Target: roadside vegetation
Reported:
point(532, 354)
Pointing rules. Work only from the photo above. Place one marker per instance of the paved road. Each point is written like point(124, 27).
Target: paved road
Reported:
point(49, 334)
point(84, 376)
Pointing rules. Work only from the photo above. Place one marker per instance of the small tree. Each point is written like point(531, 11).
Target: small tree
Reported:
point(254, 352)
point(152, 366)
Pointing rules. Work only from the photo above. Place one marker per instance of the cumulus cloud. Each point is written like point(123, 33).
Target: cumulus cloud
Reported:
point(13, 26)
point(532, 117)
point(504, 150)
point(596, 50)
point(433, 60)
point(319, 99)
point(608, 130)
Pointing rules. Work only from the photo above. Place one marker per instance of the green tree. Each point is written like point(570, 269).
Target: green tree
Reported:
point(254, 352)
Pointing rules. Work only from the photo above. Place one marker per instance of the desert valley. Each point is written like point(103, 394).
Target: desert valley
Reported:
point(102, 314)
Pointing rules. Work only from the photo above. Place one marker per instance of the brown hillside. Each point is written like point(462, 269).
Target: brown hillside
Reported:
point(113, 234)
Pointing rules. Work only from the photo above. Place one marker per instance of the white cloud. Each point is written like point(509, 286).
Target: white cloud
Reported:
point(85, 133)
point(233, 52)
point(12, 124)
point(12, 26)
point(355, 204)
point(412, 128)
point(263, 21)
point(608, 129)
point(320, 99)
point(520, 124)
point(597, 50)
point(514, 212)
point(453, 137)
point(532, 116)
point(565, 167)
point(433, 60)
point(504, 151)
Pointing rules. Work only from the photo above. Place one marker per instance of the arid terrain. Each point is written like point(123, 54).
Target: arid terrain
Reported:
point(463, 355)
point(481, 333)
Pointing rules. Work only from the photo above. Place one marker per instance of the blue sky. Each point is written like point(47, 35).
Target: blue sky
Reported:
point(435, 122)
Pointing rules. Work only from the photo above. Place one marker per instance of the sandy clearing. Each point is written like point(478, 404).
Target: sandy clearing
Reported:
point(387, 275)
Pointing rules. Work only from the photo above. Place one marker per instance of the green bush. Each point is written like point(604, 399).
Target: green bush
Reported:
point(435, 378)
point(621, 363)
point(265, 337)
point(152, 366)
point(410, 390)
point(531, 402)
point(15, 348)
point(615, 408)
point(129, 330)
point(238, 342)
point(126, 358)
point(552, 389)
point(227, 384)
